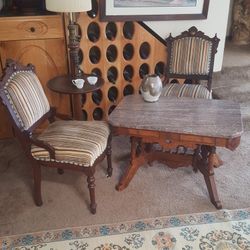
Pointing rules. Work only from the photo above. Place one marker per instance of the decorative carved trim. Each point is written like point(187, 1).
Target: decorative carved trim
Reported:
point(233, 143)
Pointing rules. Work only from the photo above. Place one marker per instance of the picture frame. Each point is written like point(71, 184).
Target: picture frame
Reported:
point(154, 10)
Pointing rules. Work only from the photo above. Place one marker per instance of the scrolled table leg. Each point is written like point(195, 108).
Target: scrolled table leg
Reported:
point(137, 159)
point(209, 160)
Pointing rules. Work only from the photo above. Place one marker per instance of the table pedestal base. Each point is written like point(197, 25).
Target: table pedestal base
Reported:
point(203, 159)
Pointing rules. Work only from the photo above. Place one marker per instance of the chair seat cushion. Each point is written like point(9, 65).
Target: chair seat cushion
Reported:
point(186, 90)
point(75, 142)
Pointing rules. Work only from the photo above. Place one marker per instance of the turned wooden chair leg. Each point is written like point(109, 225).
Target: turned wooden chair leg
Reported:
point(37, 184)
point(91, 187)
point(109, 160)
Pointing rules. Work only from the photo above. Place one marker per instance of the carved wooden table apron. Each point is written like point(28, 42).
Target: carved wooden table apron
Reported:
point(188, 131)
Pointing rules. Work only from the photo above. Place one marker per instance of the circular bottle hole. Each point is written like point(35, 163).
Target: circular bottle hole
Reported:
point(159, 68)
point(84, 115)
point(128, 90)
point(144, 50)
point(113, 94)
point(128, 73)
point(174, 81)
point(94, 54)
point(98, 114)
point(143, 70)
point(94, 11)
point(112, 74)
point(111, 31)
point(128, 30)
point(93, 32)
point(128, 51)
point(96, 72)
point(111, 53)
point(97, 97)
point(111, 109)
point(188, 81)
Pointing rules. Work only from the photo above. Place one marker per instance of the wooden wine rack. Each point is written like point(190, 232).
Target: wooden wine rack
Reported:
point(103, 47)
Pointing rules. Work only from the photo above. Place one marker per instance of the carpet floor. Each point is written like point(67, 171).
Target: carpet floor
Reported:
point(233, 81)
point(155, 191)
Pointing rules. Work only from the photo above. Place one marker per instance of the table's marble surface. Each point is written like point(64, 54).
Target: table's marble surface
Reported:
point(215, 118)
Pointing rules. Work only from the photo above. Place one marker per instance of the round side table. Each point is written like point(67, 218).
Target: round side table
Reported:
point(63, 85)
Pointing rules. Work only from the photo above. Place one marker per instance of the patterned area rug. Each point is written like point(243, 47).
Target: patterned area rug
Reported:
point(222, 230)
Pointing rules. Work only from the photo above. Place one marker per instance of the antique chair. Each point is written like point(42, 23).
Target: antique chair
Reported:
point(190, 60)
point(189, 70)
point(75, 145)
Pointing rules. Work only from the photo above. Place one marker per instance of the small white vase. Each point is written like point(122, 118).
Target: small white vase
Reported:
point(151, 88)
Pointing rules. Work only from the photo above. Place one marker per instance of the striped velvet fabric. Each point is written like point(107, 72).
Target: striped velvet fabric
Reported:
point(26, 97)
point(186, 90)
point(190, 56)
point(75, 142)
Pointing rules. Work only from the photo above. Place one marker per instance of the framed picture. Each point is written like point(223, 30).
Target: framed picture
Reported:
point(151, 10)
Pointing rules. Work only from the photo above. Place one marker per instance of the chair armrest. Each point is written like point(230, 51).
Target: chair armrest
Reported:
point(44, 145)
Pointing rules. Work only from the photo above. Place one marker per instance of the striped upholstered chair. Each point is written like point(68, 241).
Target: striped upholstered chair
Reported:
point(190, 61)
point(75, 145)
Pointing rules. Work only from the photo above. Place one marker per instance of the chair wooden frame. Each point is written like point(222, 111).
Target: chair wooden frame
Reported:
point(28, 137)
point(195, 78)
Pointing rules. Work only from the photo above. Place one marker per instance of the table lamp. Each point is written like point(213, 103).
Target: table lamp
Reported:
point(71, 6)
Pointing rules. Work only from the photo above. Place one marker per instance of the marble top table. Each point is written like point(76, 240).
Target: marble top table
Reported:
point(178, 125)
point(216, 118)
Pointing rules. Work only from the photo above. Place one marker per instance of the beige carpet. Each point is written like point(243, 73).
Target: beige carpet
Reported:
point(155, 191)
point(233, 81)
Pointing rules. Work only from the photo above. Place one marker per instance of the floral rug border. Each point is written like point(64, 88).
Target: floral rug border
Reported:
point(123, 227)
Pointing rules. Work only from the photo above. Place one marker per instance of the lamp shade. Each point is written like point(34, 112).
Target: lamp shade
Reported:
point(68, 5)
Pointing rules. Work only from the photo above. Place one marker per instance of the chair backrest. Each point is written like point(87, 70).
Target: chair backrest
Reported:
point(22, 93)
point(191, 56)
